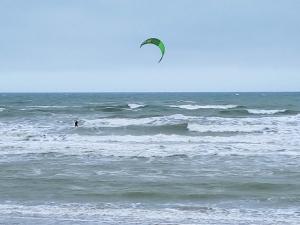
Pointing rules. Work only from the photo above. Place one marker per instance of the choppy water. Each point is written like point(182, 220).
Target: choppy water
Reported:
point(196, 158)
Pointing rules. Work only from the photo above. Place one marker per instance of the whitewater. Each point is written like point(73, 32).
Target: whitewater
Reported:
point(150, 158)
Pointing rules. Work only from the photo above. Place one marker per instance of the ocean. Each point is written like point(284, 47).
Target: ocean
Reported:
point(150, 158)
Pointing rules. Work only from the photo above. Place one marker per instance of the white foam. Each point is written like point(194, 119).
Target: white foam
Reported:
point(155, 145)
point(122, 122)
point(50, 107)
point(267, 135)
point(116, 122)
point(139, 214)
point(194, 107)
point(266, 111)
point(135, 106)
point(2, 109)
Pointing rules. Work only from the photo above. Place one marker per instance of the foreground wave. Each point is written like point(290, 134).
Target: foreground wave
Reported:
point(138, 214)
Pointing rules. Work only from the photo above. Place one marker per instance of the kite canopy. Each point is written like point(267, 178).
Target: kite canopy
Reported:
point(156, 42)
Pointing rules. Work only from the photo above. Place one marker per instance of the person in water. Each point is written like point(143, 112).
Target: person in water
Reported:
point(76, 123)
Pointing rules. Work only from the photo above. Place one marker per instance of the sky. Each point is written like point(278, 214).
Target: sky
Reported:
point(93, 45)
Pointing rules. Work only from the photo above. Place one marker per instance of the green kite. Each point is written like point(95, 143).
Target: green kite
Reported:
point(156, 42)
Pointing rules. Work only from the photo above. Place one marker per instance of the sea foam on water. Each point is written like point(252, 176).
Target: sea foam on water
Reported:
point(150, 159)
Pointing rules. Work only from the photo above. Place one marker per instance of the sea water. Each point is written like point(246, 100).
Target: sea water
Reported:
point(150, 158)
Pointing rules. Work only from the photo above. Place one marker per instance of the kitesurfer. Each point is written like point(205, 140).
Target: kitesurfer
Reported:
point(76, 123)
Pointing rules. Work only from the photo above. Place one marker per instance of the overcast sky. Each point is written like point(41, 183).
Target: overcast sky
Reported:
point(93, 45)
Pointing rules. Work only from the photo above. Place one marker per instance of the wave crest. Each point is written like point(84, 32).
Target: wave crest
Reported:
point(194, 107)
point(266, 111)
point(135, 106)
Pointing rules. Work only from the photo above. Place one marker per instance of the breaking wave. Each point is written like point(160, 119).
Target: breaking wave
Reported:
point(135, 106)
point(266, 111)
point(194, 107)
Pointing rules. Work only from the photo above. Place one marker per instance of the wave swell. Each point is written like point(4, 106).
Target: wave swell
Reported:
point(194, 107)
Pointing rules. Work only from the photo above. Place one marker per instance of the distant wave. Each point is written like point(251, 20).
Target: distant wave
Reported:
point(2, 109)
point(135, 106)
point(91, 107)
point(194, 107)
point(244, 112)
point(112, 107)
point(266, 111)
point(50, 106)
point(185, 101)
point(95, 106)
point(46, 108)
point(21, 102)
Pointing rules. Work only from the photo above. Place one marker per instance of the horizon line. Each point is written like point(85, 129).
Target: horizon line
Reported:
point(133, 92)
